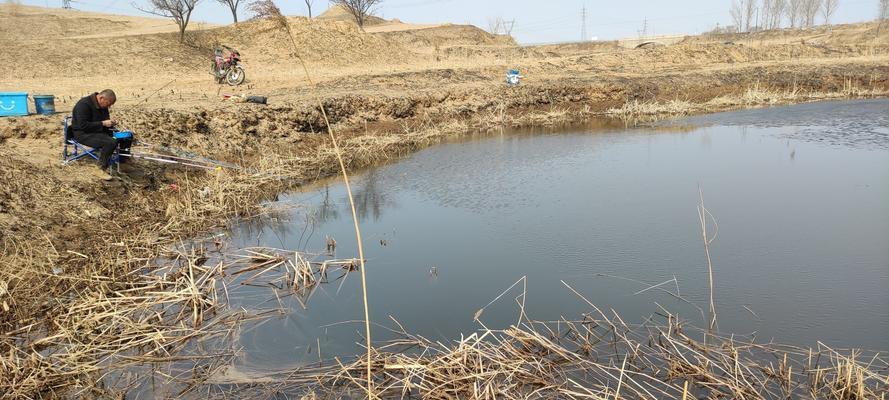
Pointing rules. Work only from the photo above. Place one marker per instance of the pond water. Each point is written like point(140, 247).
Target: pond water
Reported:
point(800, 195)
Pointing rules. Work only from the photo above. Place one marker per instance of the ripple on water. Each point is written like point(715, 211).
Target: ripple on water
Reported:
point(836, 123)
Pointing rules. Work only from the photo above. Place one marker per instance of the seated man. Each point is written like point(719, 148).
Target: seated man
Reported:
point(91, 125)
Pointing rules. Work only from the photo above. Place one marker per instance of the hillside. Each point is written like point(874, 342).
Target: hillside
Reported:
point(340, 13)
point(21, 22)
point(71, 51)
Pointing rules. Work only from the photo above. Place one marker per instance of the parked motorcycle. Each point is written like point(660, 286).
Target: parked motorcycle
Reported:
point(228, 69)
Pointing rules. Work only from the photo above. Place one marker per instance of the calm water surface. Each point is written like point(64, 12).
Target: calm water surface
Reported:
point(800, 194)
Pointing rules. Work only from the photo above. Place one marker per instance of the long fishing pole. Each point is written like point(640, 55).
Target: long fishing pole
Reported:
point(159, 158)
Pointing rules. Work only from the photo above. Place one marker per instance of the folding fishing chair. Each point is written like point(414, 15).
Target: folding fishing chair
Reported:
point(72, 150)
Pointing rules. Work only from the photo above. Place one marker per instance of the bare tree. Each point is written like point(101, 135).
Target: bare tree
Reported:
point(737, 14)
point(772, 11)
point(882, 14)
point(309, 7)
point(810, 11)
point(262, 9)
point(178, 10)
point(749, 7)
point(359, 9)
point(233, 6)
point(828, 8)
point(742, 12)
point(764, 10)
point(778, 12)
point(794, 12)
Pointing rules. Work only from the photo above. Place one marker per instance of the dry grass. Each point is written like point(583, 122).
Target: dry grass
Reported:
point(754, 96)
point(757, 95)
point(113, 323)
point(598, 356)
point(105, 332)
point(636, 109)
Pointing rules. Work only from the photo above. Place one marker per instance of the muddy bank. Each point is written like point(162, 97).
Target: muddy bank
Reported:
point(225, 129)
point(378, 127)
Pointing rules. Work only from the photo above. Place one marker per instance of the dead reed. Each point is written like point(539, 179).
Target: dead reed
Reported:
point(284, 25)
point(703, 213)
point(597, 356)
point(114, 323)
point(754, 96)
point(170, 318)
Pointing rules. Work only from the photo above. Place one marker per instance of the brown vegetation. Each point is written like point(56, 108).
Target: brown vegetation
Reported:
point(601, 357)
point(78, 254)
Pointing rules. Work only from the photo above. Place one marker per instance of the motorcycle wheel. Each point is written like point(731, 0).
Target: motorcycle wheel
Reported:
point(235, 76)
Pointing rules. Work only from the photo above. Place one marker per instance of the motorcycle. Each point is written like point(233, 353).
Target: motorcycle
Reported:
point(228, 69)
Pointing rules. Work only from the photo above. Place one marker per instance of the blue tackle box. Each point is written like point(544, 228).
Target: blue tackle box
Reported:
point(13, 104)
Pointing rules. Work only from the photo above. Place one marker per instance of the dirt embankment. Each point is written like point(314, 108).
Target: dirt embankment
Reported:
point(386, 94)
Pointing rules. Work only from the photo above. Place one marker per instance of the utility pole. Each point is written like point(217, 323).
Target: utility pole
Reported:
point(644, 32)
point(583, 32)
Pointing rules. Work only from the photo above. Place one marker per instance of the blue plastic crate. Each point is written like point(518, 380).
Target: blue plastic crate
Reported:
point(13, 104)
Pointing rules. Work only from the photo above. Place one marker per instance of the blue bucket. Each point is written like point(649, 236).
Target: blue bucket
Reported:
point(13, 104)
point(44, 104)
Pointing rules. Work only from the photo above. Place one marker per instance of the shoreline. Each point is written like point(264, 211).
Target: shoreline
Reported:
point(72, 243)
point(189, 213)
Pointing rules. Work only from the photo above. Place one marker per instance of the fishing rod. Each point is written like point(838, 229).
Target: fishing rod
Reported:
point(190, 160)
point(162, 158)
point(181, 154)
point(182, 158)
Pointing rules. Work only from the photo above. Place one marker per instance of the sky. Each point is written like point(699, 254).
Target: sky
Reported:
point(535, 21)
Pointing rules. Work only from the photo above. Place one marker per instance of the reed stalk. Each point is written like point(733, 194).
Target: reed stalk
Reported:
point(285, 25)
point(702, 216)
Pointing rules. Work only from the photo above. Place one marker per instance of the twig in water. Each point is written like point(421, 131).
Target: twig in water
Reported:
point(478, 313)
point(655, 286)
point(702, 216)
point(751, 312)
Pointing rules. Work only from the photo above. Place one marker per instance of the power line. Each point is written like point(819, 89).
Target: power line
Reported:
point(644, 31)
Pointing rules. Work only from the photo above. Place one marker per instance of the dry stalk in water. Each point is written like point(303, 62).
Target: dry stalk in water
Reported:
point(281, 20)
point(702, 216)
point(598, 356)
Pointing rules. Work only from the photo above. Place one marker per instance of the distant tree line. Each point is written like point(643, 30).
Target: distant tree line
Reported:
point(751, 15)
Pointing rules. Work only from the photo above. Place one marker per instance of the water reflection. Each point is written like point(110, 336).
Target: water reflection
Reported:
point(370, 198)
point(801, 255)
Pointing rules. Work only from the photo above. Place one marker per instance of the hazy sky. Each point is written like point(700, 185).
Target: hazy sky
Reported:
point(535, 21)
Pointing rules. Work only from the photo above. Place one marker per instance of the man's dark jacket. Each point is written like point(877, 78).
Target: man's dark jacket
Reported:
point(87, 116)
